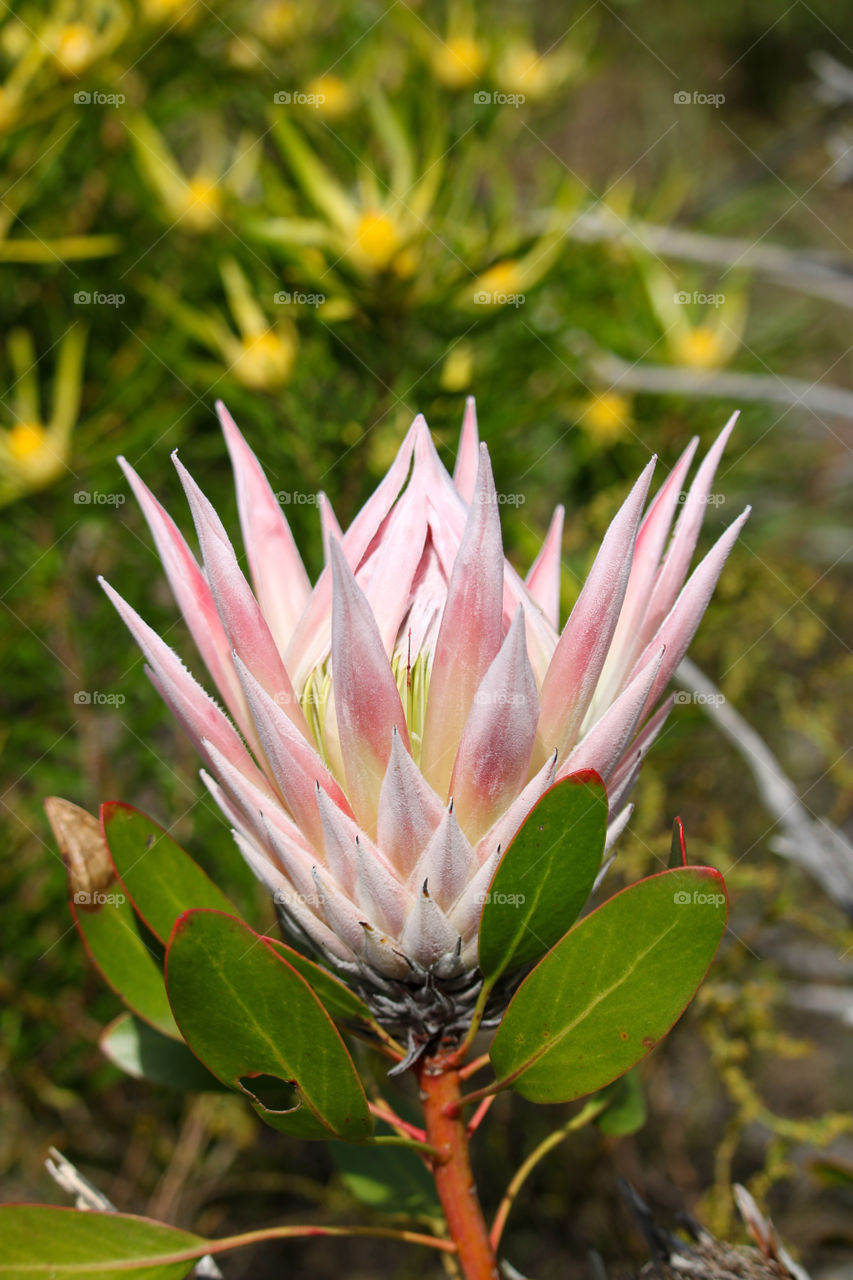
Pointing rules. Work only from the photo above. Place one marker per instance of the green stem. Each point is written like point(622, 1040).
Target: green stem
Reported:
point(589, 1112)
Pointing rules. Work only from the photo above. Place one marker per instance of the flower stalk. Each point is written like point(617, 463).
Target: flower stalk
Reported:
point(454, 1181)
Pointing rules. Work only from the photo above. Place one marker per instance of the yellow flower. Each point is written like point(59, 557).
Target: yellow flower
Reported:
point(376, 239)
point(179, 12)
point(606, 416)
point(458, 368)
point(278, 21)
point(522, 69)
point(203, 204)
point(701, 347)
point(76, 46)
point(265, 359)
point(334, 98)
point(458, 61)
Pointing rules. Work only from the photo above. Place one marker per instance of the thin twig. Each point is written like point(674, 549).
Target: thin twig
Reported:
point(661, 379)
point(821, 275)
point(589, 1112)
point(812, 843)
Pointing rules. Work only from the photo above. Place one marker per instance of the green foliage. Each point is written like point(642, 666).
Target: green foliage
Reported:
point(612, 988)
point(42, 1241)
point(247, 1014)
point(545, 876)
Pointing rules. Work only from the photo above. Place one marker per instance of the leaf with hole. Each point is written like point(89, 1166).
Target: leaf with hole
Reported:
point(256, 1024)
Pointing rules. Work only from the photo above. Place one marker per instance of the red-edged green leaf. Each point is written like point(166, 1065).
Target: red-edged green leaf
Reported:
point(115, 940)
point(249, 1016)
point(612, 987)
point(339, 1002)
point(160, 878)
point(545, 876)
point(42, 1242)
point(141, 1051)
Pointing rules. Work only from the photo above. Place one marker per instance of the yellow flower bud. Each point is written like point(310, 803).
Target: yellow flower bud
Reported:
point(333, 96)
point(265, 360)
point(376, 239)
point(607, 416)
point(458, 61)
point(701, 347)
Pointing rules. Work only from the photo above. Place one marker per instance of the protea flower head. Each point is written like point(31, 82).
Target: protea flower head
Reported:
point(392, 726)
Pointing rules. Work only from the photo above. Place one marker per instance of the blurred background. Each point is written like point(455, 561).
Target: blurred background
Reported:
point(614, 227)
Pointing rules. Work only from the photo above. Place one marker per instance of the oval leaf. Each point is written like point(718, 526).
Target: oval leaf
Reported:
point(339, 1002)
point(161, 879)
point(545, 876)
point(66, 1244)
point(626, 1106)
point(612, 988)
point(142, 1052)
point(114, 939)
point(246, 1013)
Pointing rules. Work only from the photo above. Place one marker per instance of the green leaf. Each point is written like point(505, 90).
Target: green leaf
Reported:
point(248, 1014)
point(142, 1052)
point(612, 987)
point(160, 878)
point(52, 1243)
point(545, 876)
point(339, 1002)
point(626, 1106)
point(114, 939)
point(389, 1179)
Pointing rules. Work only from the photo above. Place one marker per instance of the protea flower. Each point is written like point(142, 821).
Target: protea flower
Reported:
point(392, 726)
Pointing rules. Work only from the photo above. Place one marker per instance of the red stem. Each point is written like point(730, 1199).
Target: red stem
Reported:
point(451, 1168)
